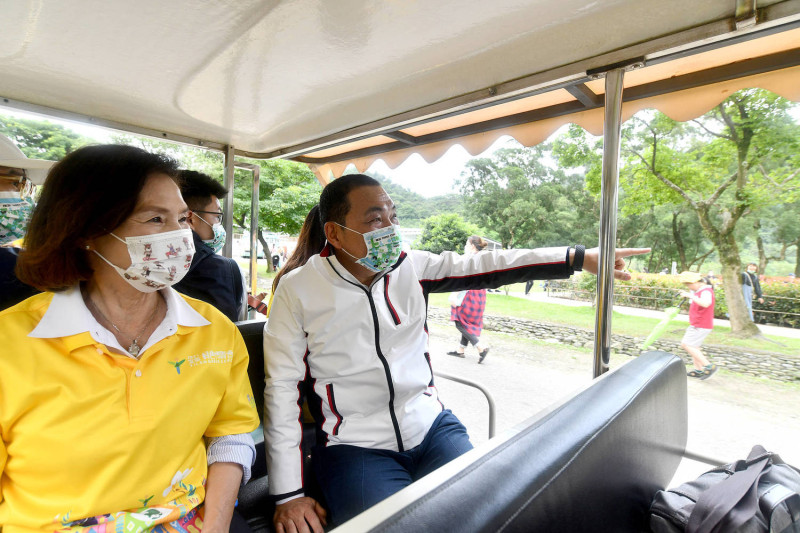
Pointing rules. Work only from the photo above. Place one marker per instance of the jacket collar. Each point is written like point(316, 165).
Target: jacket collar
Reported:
point(345, 274)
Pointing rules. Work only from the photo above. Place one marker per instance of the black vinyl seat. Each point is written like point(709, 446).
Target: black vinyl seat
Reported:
point(591, 463)
point(255, 505)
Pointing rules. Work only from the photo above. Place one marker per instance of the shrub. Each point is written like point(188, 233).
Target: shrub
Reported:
point(659, 291)
point(781, 303)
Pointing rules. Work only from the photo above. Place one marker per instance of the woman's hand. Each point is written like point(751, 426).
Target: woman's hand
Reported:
point(591, 257)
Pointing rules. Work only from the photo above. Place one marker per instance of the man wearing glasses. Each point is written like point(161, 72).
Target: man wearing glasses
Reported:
point(212, 278)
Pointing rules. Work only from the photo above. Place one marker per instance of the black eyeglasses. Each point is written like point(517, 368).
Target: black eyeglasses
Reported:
point(217, 213)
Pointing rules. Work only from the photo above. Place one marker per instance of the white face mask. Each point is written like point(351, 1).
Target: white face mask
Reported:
point(384, 246)
point(158, 260)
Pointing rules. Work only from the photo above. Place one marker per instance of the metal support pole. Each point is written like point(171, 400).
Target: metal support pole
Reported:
point(227, 207)
point(608, 220)
point(256, 170)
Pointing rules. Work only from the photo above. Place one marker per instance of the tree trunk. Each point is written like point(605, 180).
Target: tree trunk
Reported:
point(797, 260)
point(741, 325)
point(677, 230)
point(762, 255)
point(728, 250)
point(267, 251)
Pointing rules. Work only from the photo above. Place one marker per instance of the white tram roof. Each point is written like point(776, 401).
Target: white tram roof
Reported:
point(333, 82)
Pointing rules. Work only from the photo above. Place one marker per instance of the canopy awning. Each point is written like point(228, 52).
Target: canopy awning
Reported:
point(683, 88)
point(331, 82)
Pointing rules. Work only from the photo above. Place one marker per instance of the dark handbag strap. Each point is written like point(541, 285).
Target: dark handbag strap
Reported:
point(731, 503)
point(782, 519)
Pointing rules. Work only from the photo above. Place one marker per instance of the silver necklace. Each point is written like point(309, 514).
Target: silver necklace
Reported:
point(134, 347)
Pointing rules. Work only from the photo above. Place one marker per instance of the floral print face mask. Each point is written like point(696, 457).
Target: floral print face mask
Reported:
point(15, 213)
point(158, 260)
point(384, 247)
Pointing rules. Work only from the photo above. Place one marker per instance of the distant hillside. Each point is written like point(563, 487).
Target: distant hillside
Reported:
point(413, 208)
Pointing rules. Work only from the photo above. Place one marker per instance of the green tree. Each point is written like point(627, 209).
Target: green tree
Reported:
point(441, 233)
point(287, 190)
point(526, 202)
point(741, 156)
point(40, 139)
point(779, 225)
point(413, 208)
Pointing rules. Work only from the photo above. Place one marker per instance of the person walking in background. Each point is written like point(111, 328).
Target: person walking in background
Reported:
point(468, 314)
point(701, 322)
point(750, 284)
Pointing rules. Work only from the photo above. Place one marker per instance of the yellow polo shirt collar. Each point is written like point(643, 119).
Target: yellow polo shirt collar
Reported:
point(68, 316)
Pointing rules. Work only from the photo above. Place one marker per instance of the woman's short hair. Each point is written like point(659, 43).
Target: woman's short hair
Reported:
point(333, 202)
point(478, 242)
point(86, 195)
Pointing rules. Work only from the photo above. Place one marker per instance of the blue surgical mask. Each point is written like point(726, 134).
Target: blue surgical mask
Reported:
point(384, 247)
point(218, 241)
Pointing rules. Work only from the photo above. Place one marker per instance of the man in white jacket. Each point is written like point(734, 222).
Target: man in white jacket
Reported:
point(348, 331)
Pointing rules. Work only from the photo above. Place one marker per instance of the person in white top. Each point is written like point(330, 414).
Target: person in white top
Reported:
point(348, 329)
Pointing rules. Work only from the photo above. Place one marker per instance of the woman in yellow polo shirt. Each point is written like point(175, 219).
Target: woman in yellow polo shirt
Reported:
point(123, 405)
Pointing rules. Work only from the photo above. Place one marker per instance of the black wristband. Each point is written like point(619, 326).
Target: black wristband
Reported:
point(577, 261)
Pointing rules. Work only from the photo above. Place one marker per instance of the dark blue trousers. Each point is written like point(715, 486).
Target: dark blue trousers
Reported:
point(353, 479)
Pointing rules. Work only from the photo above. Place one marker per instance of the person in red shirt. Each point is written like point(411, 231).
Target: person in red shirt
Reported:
point(701, 322)
point(468, 313)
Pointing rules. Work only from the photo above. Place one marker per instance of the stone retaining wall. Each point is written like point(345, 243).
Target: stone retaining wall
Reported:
point(762, 364)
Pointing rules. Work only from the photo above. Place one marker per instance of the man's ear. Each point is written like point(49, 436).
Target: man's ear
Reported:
point(190, 219)
point(332, 234)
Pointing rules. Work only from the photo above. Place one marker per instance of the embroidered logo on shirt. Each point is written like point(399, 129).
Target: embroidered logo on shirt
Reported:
point(177, 365)
point(146, 500)
point(211, 357)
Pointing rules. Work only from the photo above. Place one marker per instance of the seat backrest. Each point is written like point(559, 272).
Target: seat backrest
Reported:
point(590, 463)
point(253, 333)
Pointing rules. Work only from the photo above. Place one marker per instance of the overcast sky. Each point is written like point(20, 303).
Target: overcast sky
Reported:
point(436, 178)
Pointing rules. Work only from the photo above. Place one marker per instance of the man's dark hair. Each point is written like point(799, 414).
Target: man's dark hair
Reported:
point(198, 188)
point(87, 194)
point(333, 202)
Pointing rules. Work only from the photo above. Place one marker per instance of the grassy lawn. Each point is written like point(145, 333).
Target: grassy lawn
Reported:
point(583, 317)
point(263, 274)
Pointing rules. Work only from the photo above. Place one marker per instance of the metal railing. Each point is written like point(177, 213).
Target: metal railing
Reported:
point(663, 297)
point(478, 386)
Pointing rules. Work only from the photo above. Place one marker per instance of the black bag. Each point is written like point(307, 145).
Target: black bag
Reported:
point(759, 494)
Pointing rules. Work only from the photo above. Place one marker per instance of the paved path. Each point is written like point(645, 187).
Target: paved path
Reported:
point(728, 413)
point(636, 311)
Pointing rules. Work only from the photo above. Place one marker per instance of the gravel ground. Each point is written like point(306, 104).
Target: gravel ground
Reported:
point(728, 413)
